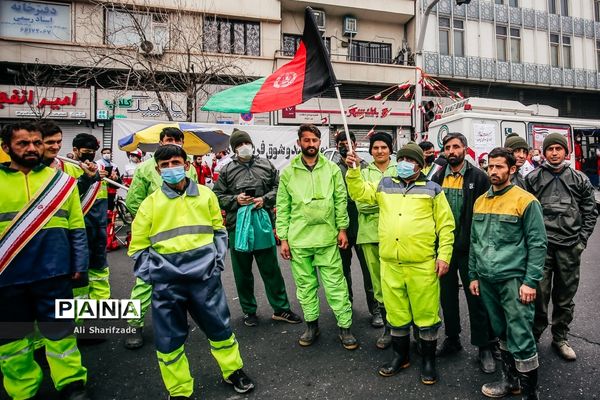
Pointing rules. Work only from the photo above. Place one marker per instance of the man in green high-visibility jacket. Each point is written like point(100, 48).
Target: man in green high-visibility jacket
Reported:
point(311, 223)
point(145, 182)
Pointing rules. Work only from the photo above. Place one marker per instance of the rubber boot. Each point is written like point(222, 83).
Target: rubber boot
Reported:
point(400, 347)
point(385, 340)
point(348, 340)
point(428, 370)
point(508, 384)
point(529, 385)
point(310, 334)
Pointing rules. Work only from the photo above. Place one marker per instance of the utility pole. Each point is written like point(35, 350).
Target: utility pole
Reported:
point(419, 66)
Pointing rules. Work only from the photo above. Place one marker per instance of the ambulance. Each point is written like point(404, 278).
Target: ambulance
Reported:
point(486, 123)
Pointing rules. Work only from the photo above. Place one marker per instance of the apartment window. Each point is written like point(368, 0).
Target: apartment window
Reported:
point(501, 43)
point(515, 45)
point(444, 25)
point(597, 10)
point(291, 43)
point(554, 50)
point(126, 28)
point(512, 3)
point(564, 7)
point(231, 37)
point(459, 37)
point(552, 6)
point(452, 44)
point(566, 52)
point(371, 52)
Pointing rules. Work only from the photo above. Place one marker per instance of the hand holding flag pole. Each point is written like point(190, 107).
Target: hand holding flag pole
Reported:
point(117, 184)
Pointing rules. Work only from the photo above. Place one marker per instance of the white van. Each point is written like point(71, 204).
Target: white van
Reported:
point(487, 122)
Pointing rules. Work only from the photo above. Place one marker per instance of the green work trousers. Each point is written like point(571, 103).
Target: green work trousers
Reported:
point(479, 321)
point(99, 284)
point(559, 283)
point(371, 253)
point(305, 263)
point(411, 293)
point(141, 291)
point(175, 368)
point(268, 267)
point(23, 376)
point(512, 321)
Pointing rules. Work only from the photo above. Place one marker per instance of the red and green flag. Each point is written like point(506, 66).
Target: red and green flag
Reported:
point(308, 75)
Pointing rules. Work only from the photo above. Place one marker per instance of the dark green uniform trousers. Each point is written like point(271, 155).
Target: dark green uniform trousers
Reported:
point(346, 255)
point(512, 321)
point(481, 334)
point(559, 283)
point(268, 267)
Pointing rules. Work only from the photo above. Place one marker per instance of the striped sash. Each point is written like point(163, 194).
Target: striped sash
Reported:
point(28, 222)
point(88, 199)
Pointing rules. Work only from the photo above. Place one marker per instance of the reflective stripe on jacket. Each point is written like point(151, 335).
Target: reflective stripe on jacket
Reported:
point(311, 206)
point(368, 214)
point(176, 237)
point(416, 223)
point(508, 238)
point(59, 248)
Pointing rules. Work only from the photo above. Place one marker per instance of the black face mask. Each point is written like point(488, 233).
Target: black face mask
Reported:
point(430, 159)
point(86, 157)
point(343, 151)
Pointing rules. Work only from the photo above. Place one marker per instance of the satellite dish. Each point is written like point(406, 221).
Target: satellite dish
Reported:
point(147, 46)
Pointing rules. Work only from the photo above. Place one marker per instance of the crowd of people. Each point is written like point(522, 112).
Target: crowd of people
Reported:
point(416, 225)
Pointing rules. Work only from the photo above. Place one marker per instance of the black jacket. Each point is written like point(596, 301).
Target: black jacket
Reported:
point(475, 183)
point(568, 202)
point(236, 177)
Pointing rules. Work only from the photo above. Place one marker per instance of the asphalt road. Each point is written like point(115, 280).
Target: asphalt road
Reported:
point(284, 370)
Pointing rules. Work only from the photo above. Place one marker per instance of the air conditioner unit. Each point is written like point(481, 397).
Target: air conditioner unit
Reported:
point(149, 48)
point(350, 25)
point(320, 18)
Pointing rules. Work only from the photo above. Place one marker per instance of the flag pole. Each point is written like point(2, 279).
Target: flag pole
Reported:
point(343, 112)
point(117, 184)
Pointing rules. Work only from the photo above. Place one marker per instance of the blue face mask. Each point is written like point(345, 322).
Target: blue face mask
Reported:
point(405, 169)
point(173, 175)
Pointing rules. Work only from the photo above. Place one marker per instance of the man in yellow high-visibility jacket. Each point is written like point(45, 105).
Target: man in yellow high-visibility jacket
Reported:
point(179, 244)
point(415, 246)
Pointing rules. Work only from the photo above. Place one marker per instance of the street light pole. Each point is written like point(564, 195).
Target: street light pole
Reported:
point(419, 66)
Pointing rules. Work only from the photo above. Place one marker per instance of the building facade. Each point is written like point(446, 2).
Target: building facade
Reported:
point(533, 51)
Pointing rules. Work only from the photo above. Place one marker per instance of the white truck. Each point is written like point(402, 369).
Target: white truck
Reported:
point(487, 122)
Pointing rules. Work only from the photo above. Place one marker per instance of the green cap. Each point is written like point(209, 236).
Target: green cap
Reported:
point(238, 137)
point(413, 151)
point(556, 138)
point(516, 142)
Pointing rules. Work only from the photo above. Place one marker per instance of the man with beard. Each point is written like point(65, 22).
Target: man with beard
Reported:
point(311, 223)
point(463, 183)
point(146, 180)
point(43, 247)
point(508, 245)
point(520, 150)
point(342, 144)
point(567, 198)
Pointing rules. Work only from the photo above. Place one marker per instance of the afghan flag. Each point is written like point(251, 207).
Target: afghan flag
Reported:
point(308, 75)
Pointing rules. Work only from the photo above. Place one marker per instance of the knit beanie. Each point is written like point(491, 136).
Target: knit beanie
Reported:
point(516, 142)
point(238, 137)
point(412, 151)
point(555, 138)
point(380, 136)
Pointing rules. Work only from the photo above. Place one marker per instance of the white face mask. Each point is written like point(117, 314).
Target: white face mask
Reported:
point(245, 151)
point(536, 158)
point(106, 157)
